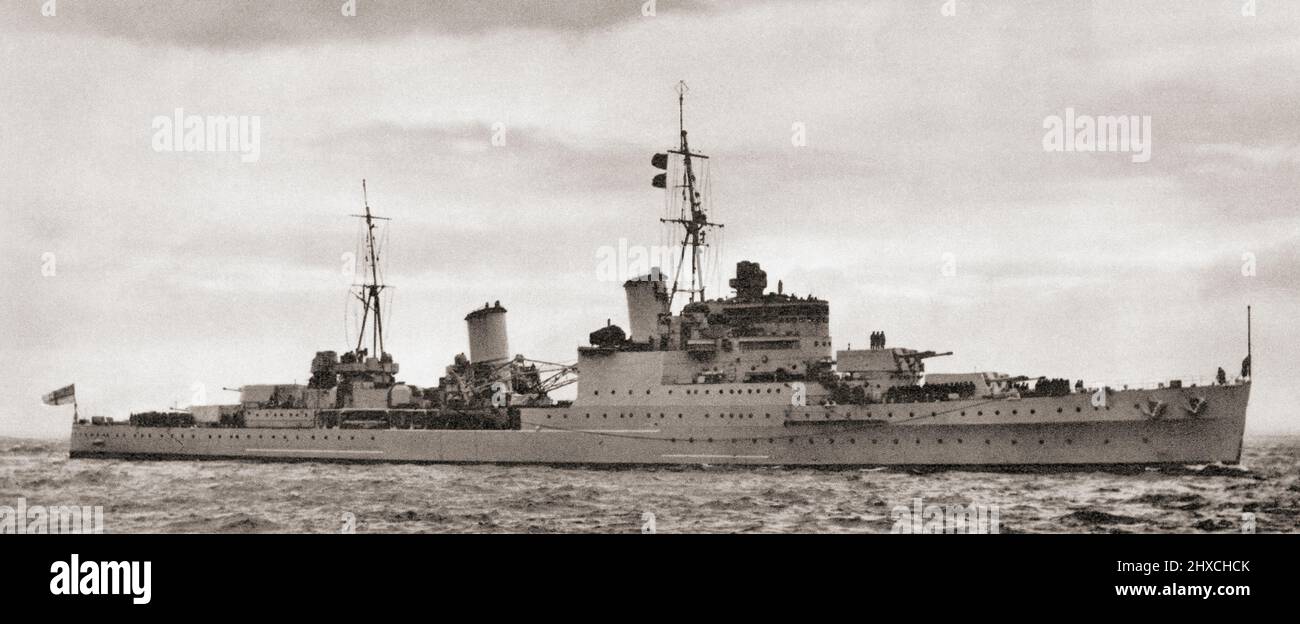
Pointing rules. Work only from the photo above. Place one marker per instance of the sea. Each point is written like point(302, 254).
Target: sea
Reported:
point(1261, 495)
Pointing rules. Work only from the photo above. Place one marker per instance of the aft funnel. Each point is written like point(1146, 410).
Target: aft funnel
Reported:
point(487, 334)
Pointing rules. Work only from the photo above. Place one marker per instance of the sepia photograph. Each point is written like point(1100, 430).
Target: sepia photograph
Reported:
point(650, 266)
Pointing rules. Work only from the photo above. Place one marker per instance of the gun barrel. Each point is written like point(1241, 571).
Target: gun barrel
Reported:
point(930, 354)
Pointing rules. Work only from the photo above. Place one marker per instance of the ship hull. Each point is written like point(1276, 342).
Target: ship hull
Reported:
point(1121, 434)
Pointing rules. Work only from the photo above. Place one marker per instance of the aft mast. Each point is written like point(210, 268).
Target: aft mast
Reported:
point(365, 369)
point(693, 217)
point(371, 318)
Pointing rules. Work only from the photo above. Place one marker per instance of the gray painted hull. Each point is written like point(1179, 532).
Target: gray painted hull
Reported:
point(1061, 431)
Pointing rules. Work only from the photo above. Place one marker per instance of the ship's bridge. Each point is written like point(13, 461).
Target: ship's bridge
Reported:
point(755, 336)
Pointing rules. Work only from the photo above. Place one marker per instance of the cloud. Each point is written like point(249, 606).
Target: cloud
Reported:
point(1263, 156)
point(238, 24)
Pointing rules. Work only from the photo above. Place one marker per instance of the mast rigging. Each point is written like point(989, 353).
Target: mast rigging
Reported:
point(370, 286)
point(694, 222)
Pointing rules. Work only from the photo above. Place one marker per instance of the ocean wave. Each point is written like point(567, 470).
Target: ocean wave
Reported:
point(250, 497)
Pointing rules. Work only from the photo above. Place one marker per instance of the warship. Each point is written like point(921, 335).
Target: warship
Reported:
point(747, 379)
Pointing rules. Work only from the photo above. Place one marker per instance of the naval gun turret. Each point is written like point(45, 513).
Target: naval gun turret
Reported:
point(878, 371)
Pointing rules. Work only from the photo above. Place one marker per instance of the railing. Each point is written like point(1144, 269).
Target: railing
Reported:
point(1152, 384)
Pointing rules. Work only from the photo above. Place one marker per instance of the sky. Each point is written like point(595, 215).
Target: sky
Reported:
point(887, 156)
